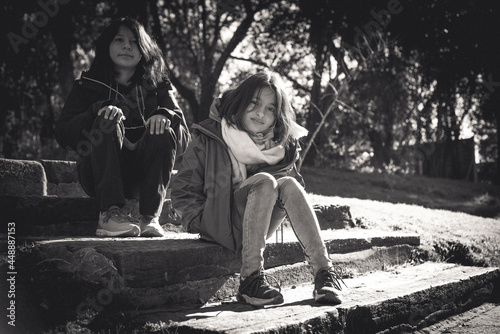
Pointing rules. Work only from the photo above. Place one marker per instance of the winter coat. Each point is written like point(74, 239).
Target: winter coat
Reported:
point(202, 190)
point(89, 95)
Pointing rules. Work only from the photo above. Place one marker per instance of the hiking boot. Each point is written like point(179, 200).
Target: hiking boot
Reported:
point(327, 288)
point(150, 227)
point(114, 223)
point(255, 290)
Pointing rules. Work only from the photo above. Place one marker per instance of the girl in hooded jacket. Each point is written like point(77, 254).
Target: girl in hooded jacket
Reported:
point(123, 121)
point(237, 182)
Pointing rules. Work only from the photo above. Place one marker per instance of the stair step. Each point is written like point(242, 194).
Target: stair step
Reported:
point(46, 210)
point(182, 257)
point(154, 272)
point(400, 300)
point(63, 216)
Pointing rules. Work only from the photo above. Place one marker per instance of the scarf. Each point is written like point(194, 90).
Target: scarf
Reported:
point(244, 151)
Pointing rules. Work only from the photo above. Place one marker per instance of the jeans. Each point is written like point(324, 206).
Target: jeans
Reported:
point(264, 202)
point(111, 172)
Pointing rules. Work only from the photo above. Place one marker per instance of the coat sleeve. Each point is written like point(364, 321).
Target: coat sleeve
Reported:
point(188, 195)
point(77, 116)
point(168, 106)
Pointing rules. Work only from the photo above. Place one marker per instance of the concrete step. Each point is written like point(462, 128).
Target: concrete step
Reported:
point(145, 273)
point(399, 300)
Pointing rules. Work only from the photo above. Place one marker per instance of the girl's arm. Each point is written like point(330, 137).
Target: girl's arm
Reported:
point(168, 106)
point(77, 116)
point(188, 195)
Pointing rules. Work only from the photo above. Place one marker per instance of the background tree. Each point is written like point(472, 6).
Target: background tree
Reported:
point(199, 37)
point(437, 73)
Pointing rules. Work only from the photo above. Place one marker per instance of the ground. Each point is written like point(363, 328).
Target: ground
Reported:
point(453, 218)
point(456, 220)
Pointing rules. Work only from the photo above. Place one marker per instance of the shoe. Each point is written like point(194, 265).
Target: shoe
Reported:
point(327, 288)
point(150, 227)
point(114, 223)
point(255, 290)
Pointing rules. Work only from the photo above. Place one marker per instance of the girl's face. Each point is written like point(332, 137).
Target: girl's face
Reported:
point(260, 113)
point(124, 49)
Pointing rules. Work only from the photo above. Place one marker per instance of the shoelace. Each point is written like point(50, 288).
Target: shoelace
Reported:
point(264, 278)
point(333, 275)
point(117, 213)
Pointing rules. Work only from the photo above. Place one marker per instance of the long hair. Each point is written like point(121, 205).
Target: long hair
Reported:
point(234, 102)
point(151, 67)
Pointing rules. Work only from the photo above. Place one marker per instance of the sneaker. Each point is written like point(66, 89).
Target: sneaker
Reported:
point(327, 288)
point(114, 223)
point(150, 227)
point(255, 290)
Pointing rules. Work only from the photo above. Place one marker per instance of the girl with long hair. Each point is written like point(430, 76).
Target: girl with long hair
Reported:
point(122, 119)
point(238, 181)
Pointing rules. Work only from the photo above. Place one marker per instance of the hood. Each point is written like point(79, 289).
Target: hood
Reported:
point(214, 110)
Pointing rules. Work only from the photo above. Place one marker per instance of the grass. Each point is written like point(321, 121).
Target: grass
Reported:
point(452, 217)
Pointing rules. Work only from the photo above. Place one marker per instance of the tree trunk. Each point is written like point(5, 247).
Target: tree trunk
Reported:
point(206, 98)
point(64, 41)
point(497, 174)
point(314, 117)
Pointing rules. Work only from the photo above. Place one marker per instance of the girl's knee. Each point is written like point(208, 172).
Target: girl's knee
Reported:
point(290, 185)
point(265, 181)
point(106, 127)
point(103, 130)
point(290, 182)
point(265, 178)
point(162, 140)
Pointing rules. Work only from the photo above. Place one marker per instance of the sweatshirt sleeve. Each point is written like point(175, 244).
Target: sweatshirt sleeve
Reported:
point(77, 117)
point(168, 106)
point(188, 196)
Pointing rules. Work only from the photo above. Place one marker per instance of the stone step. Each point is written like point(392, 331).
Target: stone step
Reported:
point(40, 178)
point(63, 216)
point(44, 198)
point(399, 300)
point(77, 216)
point(145, 273)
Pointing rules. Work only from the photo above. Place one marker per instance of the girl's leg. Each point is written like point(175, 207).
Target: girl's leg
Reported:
point(105, 160)
point(105, 181)
point(156, 157)
point(327, 288)
point(304, 222)
point(255, 199)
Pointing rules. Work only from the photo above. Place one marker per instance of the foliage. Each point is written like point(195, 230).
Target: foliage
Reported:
point(44, 49)
point(424, 70)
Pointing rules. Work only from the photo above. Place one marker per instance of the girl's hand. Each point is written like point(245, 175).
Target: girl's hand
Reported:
point(157, 124)
point(112, 112)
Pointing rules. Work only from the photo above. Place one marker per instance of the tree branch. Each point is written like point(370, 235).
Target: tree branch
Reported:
point(238, 36)
point(296, 84)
